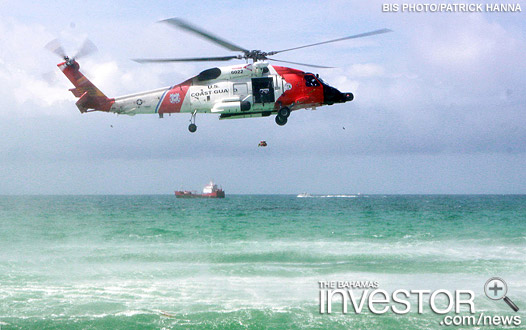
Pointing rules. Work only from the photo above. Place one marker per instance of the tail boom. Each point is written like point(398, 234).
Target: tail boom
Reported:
point(90, 97)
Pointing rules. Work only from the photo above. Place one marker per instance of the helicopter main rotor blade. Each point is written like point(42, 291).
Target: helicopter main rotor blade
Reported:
point(304, 64)
point(87, 48)
point(55, 47)
point(194, 59)
point(361, 35)
point(186, 26)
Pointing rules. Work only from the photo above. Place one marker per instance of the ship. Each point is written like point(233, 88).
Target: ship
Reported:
point(211, 190)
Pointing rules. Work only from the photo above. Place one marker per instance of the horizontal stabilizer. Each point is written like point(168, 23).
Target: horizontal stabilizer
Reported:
point(83, 102)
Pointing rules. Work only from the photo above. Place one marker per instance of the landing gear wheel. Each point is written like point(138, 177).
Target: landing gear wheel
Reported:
point(281, 120)
point(192, 127)
point(284, 112)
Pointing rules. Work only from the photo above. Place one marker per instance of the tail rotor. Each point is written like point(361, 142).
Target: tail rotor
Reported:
point(54, 46)
point(90, 97)
point(85, 49)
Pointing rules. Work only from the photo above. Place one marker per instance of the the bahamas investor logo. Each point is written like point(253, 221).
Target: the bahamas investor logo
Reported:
point(359, 297)
point(400, 301)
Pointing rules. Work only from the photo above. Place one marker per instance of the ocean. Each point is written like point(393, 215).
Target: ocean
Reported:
point(250, 261)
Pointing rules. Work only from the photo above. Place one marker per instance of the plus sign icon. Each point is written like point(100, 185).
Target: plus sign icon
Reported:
point(496, 289)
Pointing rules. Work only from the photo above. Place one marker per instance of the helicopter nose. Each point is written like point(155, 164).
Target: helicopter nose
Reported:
point(348, 97)
point(332, 95)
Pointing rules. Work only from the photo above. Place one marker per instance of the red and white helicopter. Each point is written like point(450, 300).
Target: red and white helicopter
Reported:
point(256, 89)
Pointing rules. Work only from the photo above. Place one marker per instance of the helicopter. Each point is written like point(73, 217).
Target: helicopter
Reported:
point(256, 89)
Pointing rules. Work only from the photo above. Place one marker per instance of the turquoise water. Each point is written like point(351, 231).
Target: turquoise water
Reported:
point(156, 262)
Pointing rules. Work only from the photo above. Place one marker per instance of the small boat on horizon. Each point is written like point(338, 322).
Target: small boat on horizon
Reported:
point(303, 195)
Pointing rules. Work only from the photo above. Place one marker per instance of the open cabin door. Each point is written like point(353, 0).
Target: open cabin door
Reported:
point(263, 90)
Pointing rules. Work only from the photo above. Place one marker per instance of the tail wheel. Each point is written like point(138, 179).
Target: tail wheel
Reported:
point(284, 112)
point(281, 120)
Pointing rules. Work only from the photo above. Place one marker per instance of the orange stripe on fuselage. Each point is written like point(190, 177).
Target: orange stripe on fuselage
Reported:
point(174, 98)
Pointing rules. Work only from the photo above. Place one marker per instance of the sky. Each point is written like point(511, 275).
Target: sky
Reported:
point(440, 103)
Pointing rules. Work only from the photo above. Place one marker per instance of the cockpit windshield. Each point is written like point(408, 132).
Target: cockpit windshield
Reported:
point(323, 82)
point(311, 81)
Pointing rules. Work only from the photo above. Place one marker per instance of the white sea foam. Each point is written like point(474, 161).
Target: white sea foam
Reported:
point(176, 296)
point(126, 270)
point(132, 312)
point(447, 250)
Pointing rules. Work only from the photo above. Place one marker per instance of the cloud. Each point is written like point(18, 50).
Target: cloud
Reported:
point(408, 103)
point(454, 85)
point(33, 86)
point(464, 42)
point(366, 70)
point(24, 90)
point(438, 89)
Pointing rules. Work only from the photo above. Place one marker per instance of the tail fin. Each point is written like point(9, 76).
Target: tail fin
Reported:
point(90, 97)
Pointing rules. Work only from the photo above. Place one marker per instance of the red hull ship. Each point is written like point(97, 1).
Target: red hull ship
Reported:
point(211, 190)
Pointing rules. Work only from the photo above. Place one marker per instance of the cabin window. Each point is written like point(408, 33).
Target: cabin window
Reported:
point(311, 81)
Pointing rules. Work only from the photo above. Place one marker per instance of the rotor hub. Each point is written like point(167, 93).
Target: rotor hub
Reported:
point(255, 55)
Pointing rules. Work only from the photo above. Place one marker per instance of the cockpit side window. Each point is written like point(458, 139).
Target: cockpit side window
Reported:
point(311, 81)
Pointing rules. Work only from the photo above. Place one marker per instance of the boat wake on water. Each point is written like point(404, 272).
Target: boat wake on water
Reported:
point(306, 195)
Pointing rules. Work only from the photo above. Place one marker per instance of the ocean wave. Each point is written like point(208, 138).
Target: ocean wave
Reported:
point(246, 261)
